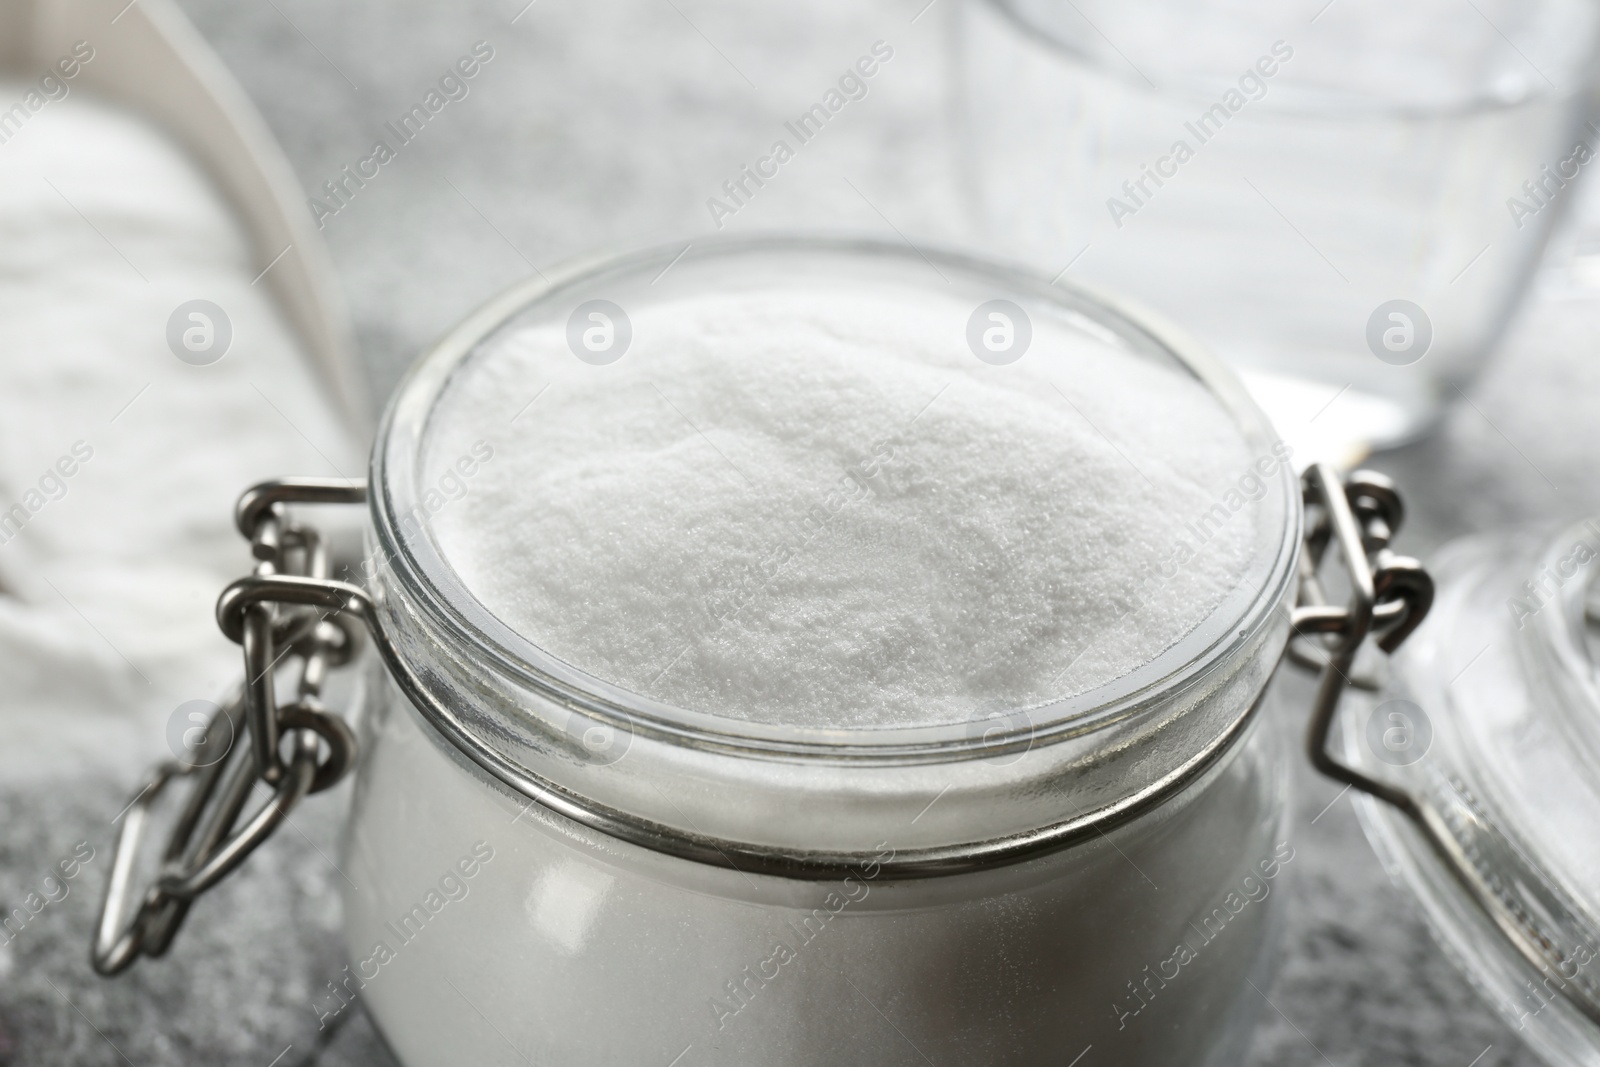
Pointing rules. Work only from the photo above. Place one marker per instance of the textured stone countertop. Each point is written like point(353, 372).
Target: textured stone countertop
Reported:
point(607, 125)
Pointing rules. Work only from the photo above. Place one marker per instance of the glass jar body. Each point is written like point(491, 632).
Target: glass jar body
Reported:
point(489, 929)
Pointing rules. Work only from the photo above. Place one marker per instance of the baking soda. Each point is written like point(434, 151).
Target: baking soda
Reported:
point(1006, 967)
point(816, 507)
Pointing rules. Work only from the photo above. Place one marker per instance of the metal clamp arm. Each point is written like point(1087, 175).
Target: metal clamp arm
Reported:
point(289, 609)
point(1332, 520)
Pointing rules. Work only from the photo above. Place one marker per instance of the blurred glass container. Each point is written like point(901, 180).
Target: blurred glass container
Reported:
point(1346, 200)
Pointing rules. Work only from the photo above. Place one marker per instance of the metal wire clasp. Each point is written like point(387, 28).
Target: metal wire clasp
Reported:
point(288, 610)
point(1389, 597)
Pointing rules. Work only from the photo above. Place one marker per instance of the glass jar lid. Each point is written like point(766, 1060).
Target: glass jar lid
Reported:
point(835, 521)
point(1494, 715)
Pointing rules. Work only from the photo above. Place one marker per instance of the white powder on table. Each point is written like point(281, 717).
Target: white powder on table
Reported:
point(108, 575)
point(817, 508)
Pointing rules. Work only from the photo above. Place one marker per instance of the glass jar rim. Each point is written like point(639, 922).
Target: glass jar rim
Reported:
point(428, 580)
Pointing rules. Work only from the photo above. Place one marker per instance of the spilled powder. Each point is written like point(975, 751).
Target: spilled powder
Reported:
point(120, 463)
point(815, 507)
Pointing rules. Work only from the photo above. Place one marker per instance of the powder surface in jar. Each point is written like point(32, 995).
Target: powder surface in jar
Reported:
point(815, 507)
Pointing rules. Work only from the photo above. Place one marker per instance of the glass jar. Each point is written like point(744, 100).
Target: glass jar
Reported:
point(694, 889)
point(1345, 202)
point(546, 865)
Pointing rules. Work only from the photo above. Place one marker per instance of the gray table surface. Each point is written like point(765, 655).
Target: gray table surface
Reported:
point(606, 125)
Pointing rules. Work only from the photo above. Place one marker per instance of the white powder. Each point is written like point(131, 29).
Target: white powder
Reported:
point(106, 594)
point(817, 508)
point(1008, 966)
